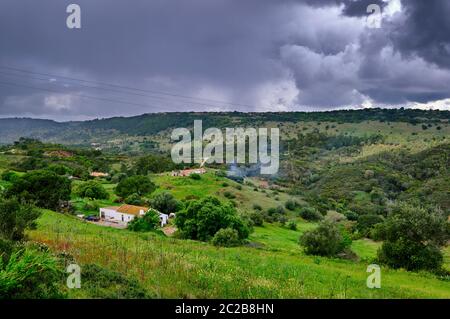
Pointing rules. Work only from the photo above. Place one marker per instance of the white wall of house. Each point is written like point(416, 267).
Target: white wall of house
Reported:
point(114, 216)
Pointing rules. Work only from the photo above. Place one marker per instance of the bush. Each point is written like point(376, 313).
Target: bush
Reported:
point(91, 190)
point(351, 215)
point(150, 221)
point(140, 185)
point(9, 176)
point(325, 240)
point(256, 218)
point(310, 214)
point(100, 282)
point(195, 176)
point(134, 199)
point(276, 211)
point(292, 225)
point(45, 188)
point(291, 204)
point(165, 203)
point(413, 236)
point(229, 195)
point(367, 222)
point(30, 274)
point(257, 207)
point(202, 219)
point(15, 217)
point(226, 237)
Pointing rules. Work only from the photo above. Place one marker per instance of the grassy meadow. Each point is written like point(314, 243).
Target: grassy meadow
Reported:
point(272, 267)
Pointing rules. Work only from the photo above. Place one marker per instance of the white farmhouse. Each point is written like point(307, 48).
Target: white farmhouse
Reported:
point(126, 213)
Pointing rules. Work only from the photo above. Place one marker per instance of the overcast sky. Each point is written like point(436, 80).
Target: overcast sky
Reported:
point(220, 55)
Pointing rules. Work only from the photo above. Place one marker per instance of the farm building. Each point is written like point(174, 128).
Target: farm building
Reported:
point(99, 174)
point(188, 172)
point(126, 213)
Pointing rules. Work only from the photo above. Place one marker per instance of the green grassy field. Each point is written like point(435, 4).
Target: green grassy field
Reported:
point(172, 268)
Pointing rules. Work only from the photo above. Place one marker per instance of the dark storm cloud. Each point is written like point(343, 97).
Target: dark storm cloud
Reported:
point(260, 54)
point(425, 31)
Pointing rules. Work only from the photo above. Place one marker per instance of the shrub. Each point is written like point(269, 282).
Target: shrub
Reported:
point(140, 185)
point(9, 176)
point(292, 225)
point(351, 215)
point(325, 240)
point(334, 216)
point(291, 204)
point(134, 199)
point(201, 219)
point(92, 190)
point(43, 187)
point(226, 237)
point(15, 217)
point(413, 236)
point(100, 282)
point(257, 207)
point(30, 274)
point(310, 214)
point(367, 222)
point(165, 203)
point(150, 221)
point(229, 195)
point(195, 176)
point(256, 218)
point(276, 210)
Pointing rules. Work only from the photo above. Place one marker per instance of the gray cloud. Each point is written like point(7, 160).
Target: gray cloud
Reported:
point(255, 54)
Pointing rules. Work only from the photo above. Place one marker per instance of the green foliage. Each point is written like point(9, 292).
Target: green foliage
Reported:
point(9, 176)
point(367, 222)
point(292, 225)
point(165, 203)
point(202, 219)
point(195, 176)
point(138, 184)
point(150, 221)
point(226, 237)
point(256, 218)
point(59, 169)
point(291, 204)
point(413, 236)
point(257, 207)
point(46, 189)
point(92, 190)
point(325, 240)
point(310, 214)
point(134, 199)
point(15, 218)
point(153, 164)
point(100, 282)
point(30, 274)
point(229, 195)
point(279, 210)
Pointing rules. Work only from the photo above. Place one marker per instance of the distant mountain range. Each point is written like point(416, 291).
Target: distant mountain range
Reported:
point(84, 132)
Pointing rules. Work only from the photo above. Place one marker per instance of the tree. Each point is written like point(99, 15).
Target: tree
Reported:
point(153, 164)
point(203, 218)
point(165, 203)
point(226, 237)
point(15, 217)
point(138, 184)
point(325, 240)
point(413, 236)
point(92, 190)
point(46, 189)
point(310, 213)
point(150, 221)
